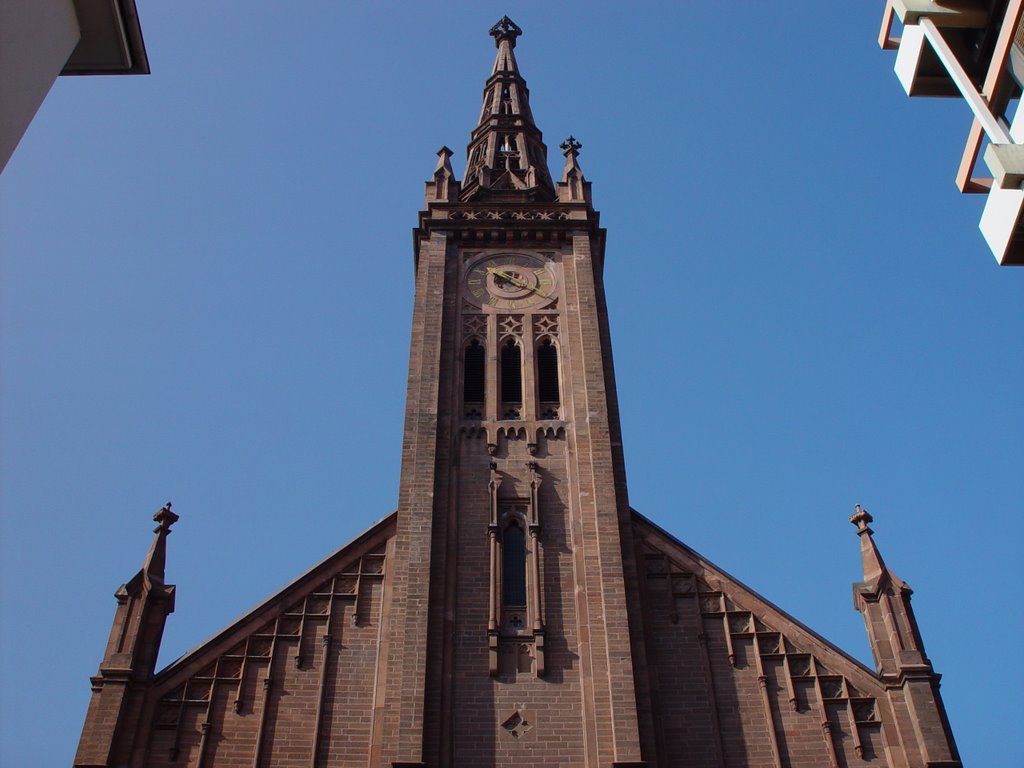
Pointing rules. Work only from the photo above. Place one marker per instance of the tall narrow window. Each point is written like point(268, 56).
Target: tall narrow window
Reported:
point(511, 379)
point(473, 376)
point(547, 377)
point(513, 568)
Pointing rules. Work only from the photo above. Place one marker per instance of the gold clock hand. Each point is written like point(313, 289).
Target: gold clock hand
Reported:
point(510, 278)
point(517, 282)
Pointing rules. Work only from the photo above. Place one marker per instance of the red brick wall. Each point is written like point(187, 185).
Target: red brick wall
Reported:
point(481, 702)
point(213, 706)
point(767, 704)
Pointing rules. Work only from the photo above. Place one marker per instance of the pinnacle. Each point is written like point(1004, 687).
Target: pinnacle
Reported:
point(444, 156)
point(156, 557)
point(871, 558)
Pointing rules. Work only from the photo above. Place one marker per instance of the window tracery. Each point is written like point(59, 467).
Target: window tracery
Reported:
point(515, 611)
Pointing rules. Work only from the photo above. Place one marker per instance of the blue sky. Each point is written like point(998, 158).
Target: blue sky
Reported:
point(206, 295)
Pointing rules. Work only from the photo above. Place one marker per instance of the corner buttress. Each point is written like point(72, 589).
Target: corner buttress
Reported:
point(883, 599)
point(143, 605)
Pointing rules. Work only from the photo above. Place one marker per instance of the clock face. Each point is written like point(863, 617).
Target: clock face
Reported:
point(510, 281)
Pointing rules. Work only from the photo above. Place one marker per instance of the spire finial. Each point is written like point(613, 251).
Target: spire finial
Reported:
point(571, 147)
point(861, 518)
point(165, 518)
point(505, 29)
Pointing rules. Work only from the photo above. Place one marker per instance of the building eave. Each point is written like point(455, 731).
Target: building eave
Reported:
point(111, 40)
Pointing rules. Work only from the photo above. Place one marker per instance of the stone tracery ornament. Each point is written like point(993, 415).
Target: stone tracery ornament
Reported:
point(546, 325)
point(474, 325)
point(511, 325)
point(570, 145)
point(507, 213)
point(505, 29)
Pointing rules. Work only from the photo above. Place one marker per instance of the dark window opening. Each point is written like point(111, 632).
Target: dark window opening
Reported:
point(511, 374)
point(473, 373)
point(513, 567)
point(547, 373)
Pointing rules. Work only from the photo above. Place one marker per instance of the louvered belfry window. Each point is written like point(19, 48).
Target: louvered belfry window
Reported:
point(547, 373)
point(511, 374)
point(473, 374)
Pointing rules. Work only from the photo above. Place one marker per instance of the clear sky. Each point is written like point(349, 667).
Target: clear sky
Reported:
point(206, 296)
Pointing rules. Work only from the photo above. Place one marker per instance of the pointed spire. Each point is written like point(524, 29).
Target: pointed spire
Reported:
point(871, 558)
point(505, 33)
point(506, 157)
point(156, 559)
point(444, 161)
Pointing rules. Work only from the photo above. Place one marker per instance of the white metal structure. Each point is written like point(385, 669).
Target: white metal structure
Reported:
point(928, 64)
point(42, 39)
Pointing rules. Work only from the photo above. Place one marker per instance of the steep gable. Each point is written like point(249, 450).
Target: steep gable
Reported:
point(291, 682)
point(737, 681)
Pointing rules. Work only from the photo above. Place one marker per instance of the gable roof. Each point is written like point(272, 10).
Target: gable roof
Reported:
point(201, 655)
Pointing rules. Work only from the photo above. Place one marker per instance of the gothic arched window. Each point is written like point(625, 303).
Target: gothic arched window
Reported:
point(547, 374)
point(473, 374)
point(513, 567)
point(511, 379)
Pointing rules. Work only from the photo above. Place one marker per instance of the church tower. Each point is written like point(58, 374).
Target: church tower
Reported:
point(513, 491)
point(515, 610)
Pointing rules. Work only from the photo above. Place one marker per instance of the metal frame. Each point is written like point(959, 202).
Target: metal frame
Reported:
point(966, 181)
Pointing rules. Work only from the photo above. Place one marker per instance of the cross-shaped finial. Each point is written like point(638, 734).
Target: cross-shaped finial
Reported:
point(571, 146)
point(165, 518)
point(861, 518)
point(505, 29)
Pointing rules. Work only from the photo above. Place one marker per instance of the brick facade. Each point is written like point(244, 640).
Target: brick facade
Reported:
point(514, 610)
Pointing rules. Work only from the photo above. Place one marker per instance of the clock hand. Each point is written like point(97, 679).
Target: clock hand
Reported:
point(510, 278)
point(517, 282)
